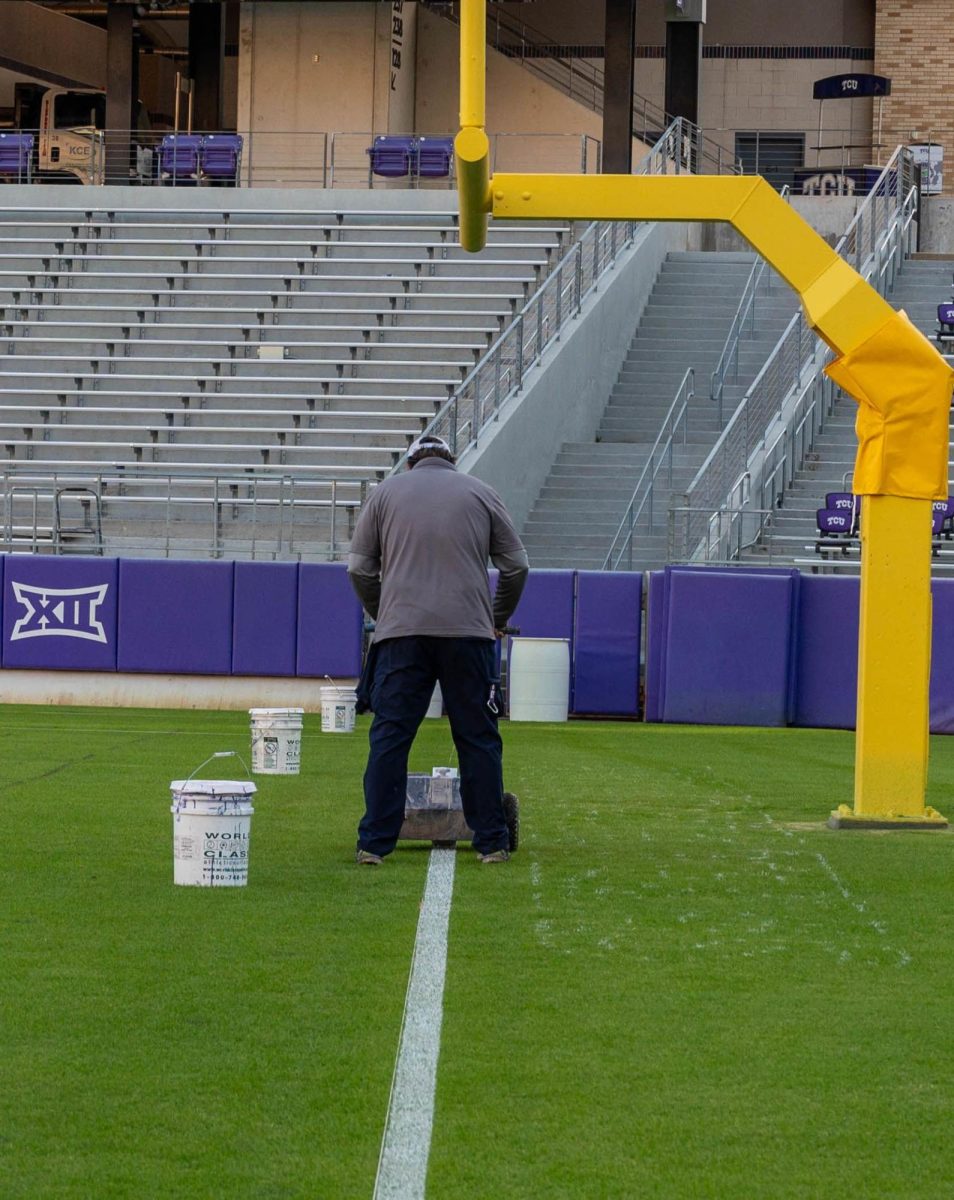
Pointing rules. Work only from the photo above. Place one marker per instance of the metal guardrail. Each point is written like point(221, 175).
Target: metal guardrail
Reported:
point(276, 158)
point(743, 322)
point(248, 515)
point(875, 243)
point(641, 506)
point(501, 371)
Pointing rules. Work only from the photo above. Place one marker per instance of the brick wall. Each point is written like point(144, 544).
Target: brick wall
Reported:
point(914, 47)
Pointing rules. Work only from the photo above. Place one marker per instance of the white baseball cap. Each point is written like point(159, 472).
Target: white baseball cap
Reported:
point(427, 441)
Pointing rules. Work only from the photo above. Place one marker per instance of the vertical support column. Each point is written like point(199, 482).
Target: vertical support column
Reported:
point(684, 21)
point(206, 52)
point(894, 663)
point(119, 91)
point(619, 51)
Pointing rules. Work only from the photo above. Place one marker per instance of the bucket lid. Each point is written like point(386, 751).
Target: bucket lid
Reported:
point(337, 691)
point(276, 712)
point(213, 787)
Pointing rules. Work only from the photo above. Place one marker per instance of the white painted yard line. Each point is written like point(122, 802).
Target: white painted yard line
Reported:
point(406, 1145)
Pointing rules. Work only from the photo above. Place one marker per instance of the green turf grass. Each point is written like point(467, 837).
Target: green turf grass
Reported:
point(680, 990)
point(681, 986)
point(183, 1042)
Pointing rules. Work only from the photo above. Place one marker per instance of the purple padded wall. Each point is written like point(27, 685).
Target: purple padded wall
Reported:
point(729, 641)
point(657, 610)
point(59, 613)
point(546, 606)
point(826, 663)
point(942, 657)
point(265, 618)
point(175, 617)
point(330, 622)
point(606, 643)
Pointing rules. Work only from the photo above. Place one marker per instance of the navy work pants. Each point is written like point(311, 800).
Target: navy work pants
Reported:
point(405, 671)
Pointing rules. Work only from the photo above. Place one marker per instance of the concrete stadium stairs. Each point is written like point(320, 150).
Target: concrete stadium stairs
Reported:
point(923, 284)
point(684, 324)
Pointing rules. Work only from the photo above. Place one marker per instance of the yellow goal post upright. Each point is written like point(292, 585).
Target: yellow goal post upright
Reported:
point(902, 386)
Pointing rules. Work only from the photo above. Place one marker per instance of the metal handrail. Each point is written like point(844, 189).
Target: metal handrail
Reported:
point(875, 241)
point(642, 498)
point(744, 314)
point(500, 372)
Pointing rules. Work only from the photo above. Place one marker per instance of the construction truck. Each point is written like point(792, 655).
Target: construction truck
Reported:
point(70, 125)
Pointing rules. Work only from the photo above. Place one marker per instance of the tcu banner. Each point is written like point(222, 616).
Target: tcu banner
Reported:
point(59, 613)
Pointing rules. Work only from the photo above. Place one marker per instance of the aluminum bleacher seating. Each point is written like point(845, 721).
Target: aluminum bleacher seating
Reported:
point(180, 349)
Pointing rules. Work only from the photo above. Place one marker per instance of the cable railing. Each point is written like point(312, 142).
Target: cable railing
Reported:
point(875, 243)
point(642, 509)
point(500, 373)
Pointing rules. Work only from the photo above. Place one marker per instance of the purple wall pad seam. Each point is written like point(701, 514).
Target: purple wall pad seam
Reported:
point(265, 619)
point(330, 622)
point(607, 642)
point(657, 620)
point(175, 617)
point(59, 613)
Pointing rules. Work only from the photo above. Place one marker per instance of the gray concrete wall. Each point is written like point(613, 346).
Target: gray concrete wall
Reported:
point(38, 43)
point(829, 216)
point(564, 397)
point(937, 225)
point(728, 22)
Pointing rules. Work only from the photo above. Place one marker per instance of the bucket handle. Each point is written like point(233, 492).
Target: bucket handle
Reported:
point(337, 686)
point(220, 754)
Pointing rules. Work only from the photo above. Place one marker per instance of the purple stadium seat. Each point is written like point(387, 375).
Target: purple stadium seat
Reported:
point(845, 502)
point(220, 155)
point(946, 510)
point(393, 156)
point(834, 522)
point(945, 324)
point(16, 156)
point(179, 157)
point(434, 157)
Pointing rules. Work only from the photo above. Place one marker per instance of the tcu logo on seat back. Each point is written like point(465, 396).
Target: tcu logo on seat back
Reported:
point(59, 612)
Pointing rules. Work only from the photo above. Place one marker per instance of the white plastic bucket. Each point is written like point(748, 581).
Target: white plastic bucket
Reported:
point(276, 740)
point(436, 706)
point(539, 679)
point(337, 709)
point(211, 826)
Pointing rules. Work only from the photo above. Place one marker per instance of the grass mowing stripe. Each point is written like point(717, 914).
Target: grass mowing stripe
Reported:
point(405, 1147)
